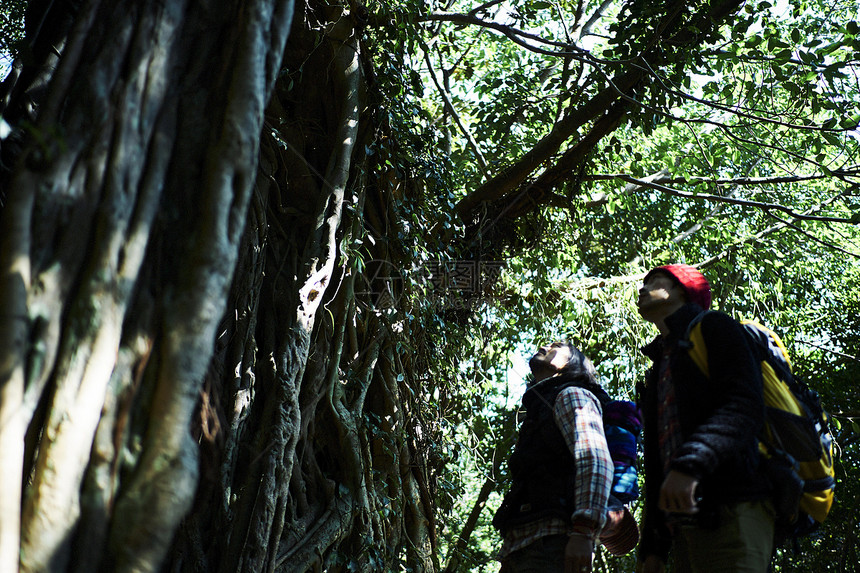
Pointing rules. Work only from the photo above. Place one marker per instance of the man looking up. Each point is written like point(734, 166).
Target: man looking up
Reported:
point(706, 497)
point(561, 472)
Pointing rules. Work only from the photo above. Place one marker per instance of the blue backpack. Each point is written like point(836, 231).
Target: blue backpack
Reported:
point(622, 425)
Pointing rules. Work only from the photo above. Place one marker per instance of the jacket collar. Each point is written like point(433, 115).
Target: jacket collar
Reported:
point(677, 323)
point(554, 383)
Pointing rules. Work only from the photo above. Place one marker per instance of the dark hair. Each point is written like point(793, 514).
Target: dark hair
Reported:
point(579, 363)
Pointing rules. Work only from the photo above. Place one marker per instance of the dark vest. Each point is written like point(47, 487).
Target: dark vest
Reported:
point(542, 467)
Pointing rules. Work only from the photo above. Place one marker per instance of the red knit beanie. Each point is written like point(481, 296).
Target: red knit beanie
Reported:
point(695, 284)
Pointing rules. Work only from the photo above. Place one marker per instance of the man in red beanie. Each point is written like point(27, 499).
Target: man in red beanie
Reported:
point(706, 497)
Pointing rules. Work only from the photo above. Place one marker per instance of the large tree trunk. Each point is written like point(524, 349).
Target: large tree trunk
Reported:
point(316, 469)
point(194, 376)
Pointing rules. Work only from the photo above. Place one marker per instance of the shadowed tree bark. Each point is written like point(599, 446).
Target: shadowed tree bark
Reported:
point(185, 355)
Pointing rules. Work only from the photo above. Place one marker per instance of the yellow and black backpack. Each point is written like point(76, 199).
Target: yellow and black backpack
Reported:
point(796, 445)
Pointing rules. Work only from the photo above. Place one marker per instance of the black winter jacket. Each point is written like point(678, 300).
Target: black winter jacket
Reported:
point(543, 470)
point(720, 419)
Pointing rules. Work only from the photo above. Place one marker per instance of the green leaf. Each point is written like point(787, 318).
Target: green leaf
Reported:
point(831, 138)
point(830, 48)
point(753, 41)
point(792, 88)
point(806, 57)
point(783, 56)
point(850, 122)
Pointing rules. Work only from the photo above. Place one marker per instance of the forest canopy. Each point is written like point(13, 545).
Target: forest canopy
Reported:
point(295, 255)
point(725, 138)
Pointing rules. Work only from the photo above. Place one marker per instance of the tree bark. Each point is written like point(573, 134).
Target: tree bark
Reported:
point(201, 386)
point(132, 132)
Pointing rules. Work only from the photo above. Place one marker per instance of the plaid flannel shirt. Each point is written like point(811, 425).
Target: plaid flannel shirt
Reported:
point(580, 419)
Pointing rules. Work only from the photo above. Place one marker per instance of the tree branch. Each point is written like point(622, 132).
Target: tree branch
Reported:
point(829, 350)
point(744, 202)
point(484, 6)
point(758, 236)
point(813, 237)
point(482, 163)
point(598, 13)
point(738, 111)
point(490, 485)
point(515, 35)
point(739, 181)
point(512, 177)
point(598, 282)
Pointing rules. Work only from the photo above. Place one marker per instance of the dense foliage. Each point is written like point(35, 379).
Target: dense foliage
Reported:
point(734, 148)
point(11, 26)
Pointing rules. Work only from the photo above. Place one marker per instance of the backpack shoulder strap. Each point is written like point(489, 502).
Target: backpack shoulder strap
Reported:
point(774, 351)
point(781, 389)
point(694, 343)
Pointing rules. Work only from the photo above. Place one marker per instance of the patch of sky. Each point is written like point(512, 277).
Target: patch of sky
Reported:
point(5, 65)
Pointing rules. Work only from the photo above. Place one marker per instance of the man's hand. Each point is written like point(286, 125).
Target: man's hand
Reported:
point(678, 493)
point(652, 564)
point(578, 553)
